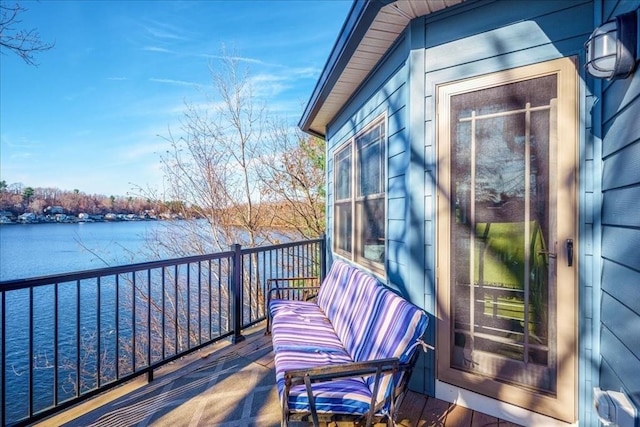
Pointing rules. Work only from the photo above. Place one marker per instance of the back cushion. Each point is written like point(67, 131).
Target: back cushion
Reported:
point(354, 317)
point(350, 304)
point(333, 286)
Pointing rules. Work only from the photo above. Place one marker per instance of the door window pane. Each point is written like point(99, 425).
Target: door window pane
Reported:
point(500, 232)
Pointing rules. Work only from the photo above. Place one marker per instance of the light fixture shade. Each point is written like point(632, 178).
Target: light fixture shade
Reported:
point(611, 48)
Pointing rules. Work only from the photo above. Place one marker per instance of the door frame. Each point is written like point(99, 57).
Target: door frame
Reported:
point(563, 406)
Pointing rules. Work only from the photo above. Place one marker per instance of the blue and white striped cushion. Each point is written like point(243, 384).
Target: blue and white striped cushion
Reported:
point(303, 358)
point(303, 328)
point(345, 396)
point(333, 286)
point(356, 311)
point(394, 333)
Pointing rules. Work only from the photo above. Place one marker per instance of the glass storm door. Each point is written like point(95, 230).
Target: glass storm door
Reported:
point(507, 236)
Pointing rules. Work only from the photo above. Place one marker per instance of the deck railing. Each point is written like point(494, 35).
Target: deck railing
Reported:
point(68, 337)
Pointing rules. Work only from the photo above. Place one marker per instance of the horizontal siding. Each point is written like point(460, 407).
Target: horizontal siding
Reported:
point(623, 323)
point(487, 16)
point(520, 36)
point(621, 125)
point(622, 245)
point(621, 207)
point(620, 314)
point(619, 366)
point(620, 282)
point(623, 168)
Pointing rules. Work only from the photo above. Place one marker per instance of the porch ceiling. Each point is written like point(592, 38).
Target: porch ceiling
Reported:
point(370, 29)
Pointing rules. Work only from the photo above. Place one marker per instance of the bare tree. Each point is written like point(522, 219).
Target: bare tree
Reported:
point(24, 43)
point(294, 179)
point(212, 167)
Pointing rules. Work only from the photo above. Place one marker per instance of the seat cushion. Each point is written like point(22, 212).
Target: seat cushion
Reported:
point(287, 359)
point(303, 326)
point(345, 396)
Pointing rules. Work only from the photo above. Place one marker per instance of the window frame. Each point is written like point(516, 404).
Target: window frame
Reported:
point(355, 202)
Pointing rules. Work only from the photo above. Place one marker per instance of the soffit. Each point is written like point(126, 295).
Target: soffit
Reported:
point(338, 84)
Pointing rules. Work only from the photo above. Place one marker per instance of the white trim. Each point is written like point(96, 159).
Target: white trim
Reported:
point(495, 408)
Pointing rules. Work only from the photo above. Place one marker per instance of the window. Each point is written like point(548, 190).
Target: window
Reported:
point(359, 216)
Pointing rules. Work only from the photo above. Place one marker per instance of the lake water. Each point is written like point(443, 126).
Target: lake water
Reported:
point(32, 250)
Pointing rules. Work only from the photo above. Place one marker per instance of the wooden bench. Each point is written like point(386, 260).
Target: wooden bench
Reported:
point(348, 353)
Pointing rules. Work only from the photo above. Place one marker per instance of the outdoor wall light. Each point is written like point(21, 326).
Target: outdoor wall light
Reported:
point(612, 47)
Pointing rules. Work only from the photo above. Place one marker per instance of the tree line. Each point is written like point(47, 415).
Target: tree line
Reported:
point(17, 199)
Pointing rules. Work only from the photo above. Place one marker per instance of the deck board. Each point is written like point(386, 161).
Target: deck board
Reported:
point(235, 385)
point(411, 409)
point(484, 420)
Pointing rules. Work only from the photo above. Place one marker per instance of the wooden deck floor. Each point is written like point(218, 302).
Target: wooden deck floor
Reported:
point(233, 385)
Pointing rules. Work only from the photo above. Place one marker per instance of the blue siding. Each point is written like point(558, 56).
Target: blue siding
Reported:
point(620, 315)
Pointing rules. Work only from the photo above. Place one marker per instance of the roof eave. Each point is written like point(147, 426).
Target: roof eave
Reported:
point(359, 19)
point(370, 30)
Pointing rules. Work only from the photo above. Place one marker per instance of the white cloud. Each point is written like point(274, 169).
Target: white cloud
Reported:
point(174, 82)
point(162, 30)
point(156, 49)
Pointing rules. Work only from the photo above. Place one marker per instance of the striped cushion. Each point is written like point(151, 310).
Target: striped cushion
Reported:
point(393, 333)
point(344, 396)
point(353, 311)
point(332, 287)
point(302, 325)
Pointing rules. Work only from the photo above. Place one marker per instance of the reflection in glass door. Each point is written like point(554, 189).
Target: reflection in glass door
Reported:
point(506, 212)
point(500, 232)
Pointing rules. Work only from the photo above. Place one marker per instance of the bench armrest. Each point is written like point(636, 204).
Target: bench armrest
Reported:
point(291, 292)
point(343, 370)
point(273, 287)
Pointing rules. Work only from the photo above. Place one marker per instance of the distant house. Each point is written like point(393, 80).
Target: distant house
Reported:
point(474, 166)
point(6, 217)
point(27, 217)
point(54, 210)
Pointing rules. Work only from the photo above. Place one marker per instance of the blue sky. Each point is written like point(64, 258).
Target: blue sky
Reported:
point(92, 115)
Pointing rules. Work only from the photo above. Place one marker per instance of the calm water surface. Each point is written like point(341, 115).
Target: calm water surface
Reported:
point(31, 250)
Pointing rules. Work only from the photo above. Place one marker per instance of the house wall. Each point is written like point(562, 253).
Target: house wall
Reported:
point(620, 315)
point(455, 44)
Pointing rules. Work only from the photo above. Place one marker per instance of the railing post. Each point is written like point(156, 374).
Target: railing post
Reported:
point(323, 257)
point(236, 294)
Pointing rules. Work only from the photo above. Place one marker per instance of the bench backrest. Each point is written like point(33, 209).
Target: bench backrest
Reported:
point(371, 321)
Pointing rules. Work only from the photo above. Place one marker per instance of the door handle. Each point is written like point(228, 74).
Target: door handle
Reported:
point(570, 252)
